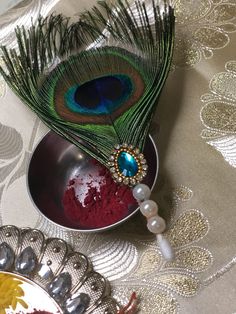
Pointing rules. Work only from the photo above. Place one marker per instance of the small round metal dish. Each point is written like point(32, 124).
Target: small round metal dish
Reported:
point(55, 162)
point(45, 275)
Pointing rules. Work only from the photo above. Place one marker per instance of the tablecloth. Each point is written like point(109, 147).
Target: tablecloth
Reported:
point(195, 132)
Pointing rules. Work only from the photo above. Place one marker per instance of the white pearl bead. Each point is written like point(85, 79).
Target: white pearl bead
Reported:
point(165, 248)
point(156, 224)
point(149, 208)
point(141, 192)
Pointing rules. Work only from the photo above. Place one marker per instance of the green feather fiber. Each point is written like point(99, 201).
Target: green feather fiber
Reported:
point(146, 42)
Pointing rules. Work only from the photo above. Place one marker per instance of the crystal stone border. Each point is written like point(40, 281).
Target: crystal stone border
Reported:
point(66, 275)
point(139, 158)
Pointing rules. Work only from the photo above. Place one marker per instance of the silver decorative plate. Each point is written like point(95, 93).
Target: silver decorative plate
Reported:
point(46, 274)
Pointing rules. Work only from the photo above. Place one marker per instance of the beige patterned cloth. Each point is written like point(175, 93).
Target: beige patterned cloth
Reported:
point(195, 132)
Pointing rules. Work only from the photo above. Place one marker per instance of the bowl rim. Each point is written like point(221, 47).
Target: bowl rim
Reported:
point(94, 230)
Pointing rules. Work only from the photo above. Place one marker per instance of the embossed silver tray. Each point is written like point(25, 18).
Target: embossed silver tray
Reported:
point(42, 271)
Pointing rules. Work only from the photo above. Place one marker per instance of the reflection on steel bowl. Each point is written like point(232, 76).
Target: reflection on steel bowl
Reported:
point(56, 163)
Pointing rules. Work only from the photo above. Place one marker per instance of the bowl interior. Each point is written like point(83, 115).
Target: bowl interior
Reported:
point(55, 162)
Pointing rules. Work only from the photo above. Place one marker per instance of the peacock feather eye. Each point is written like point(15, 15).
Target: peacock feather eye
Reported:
point(127, 164)
point(99, 96)
point(85, 96)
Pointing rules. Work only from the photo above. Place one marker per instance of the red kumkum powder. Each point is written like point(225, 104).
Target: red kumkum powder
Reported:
point(103, 205)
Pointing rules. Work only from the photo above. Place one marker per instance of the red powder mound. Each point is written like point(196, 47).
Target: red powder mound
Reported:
point(102, 206)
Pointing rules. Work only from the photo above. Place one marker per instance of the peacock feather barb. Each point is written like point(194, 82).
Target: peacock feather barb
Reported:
point(96, 81)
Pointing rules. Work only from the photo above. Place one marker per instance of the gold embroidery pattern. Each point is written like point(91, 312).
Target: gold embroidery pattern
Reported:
point(195, 258)
point(184, 285)
point(149, 262)
point(182, 193)
point(188, 228)
point(202, 26)
point(218, 114)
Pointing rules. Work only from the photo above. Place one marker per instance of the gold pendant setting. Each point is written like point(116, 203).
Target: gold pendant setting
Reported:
point(127, 164)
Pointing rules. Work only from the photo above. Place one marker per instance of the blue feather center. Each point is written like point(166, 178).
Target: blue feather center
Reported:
point(100, 96)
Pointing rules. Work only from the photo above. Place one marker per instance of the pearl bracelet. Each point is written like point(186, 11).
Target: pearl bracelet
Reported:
point(155, 223)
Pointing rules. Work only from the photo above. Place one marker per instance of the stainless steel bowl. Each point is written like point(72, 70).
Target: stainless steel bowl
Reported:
point(55, 162)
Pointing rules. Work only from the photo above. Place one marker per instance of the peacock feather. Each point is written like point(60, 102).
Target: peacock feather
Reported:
point(96, 82)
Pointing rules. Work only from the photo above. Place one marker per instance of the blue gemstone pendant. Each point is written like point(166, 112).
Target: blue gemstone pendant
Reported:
point(127, 165)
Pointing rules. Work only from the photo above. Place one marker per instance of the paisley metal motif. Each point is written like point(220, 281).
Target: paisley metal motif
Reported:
point(26, 261)
point(6, 256)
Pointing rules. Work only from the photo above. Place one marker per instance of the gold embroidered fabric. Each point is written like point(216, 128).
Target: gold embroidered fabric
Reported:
point(219, 111)
point(195, 132)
